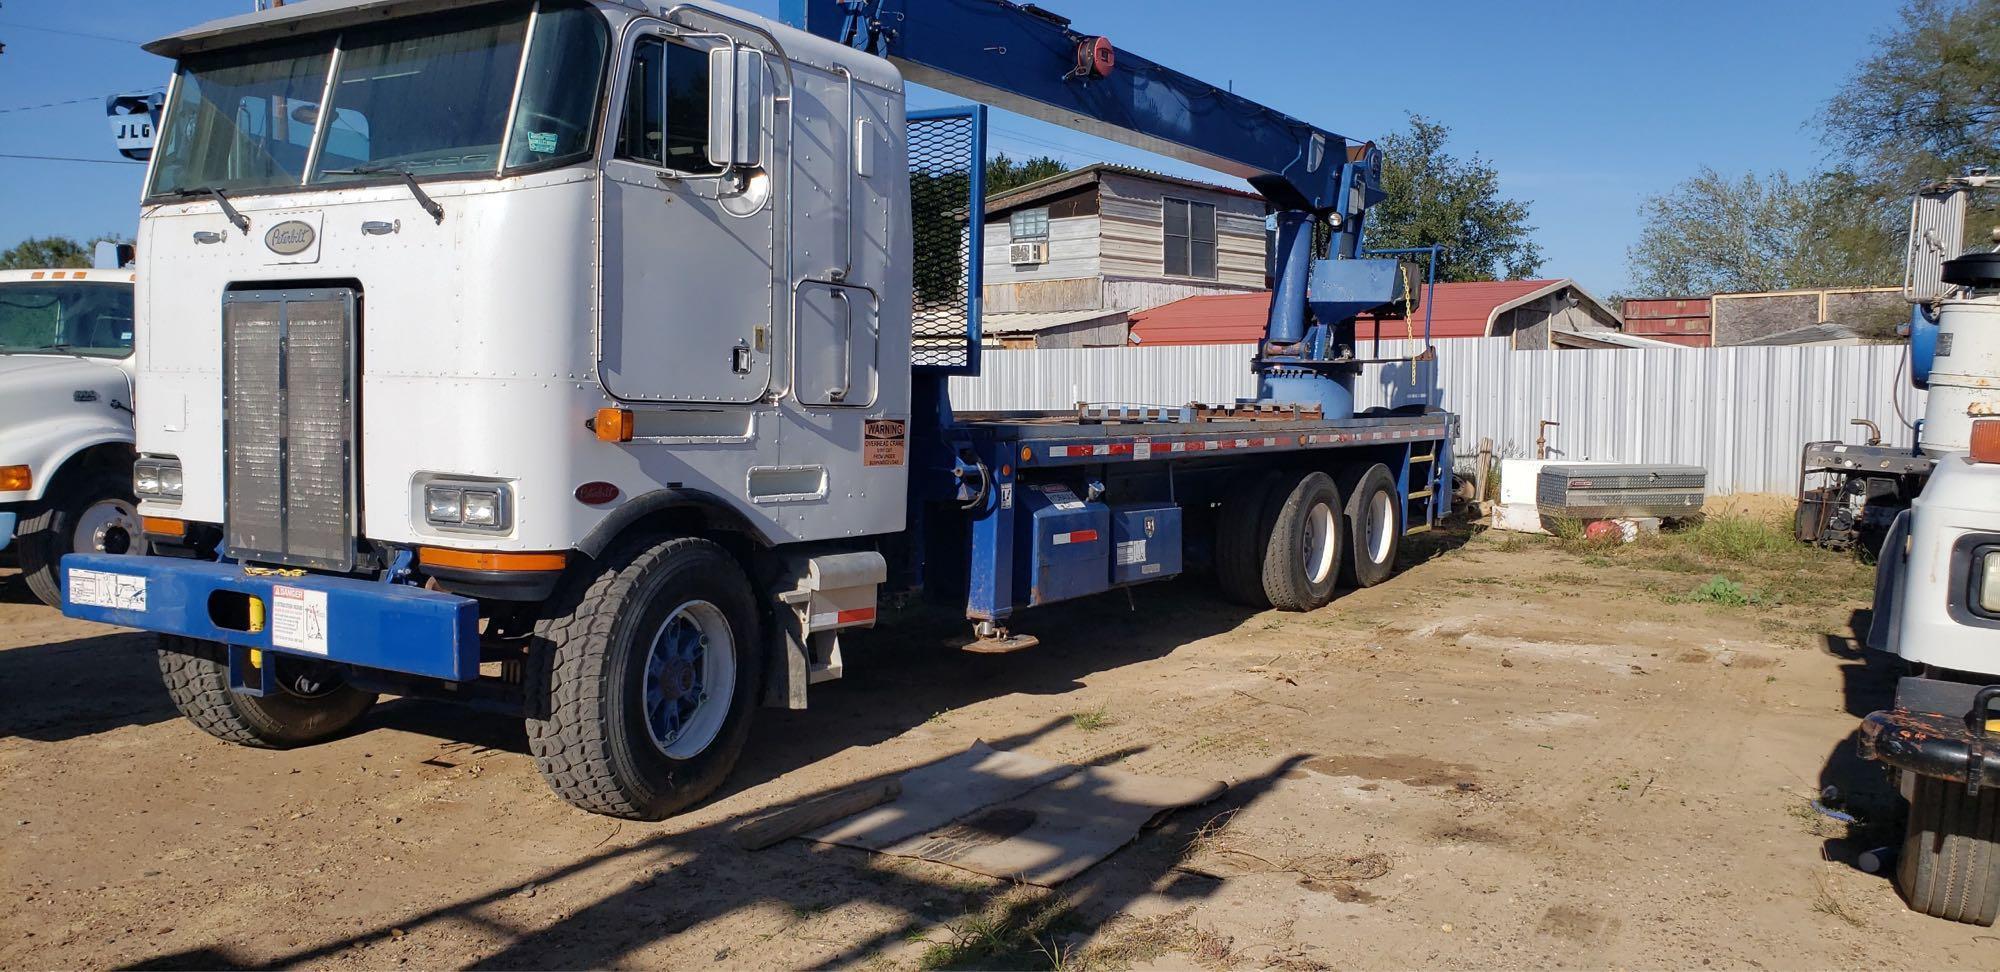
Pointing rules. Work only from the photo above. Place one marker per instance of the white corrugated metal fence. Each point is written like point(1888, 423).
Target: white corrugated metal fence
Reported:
point(1743, 413)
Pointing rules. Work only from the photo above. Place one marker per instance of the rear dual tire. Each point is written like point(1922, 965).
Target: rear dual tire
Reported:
point(1278, 543)
point(1288, 541)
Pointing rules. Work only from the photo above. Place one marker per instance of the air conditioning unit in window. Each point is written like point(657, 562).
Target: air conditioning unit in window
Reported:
point(1026, 254)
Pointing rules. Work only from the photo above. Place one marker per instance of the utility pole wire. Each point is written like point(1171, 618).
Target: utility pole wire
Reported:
point(72, 33)
point(68, 158)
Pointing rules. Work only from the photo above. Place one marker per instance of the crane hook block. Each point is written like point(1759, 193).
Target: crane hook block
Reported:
point(1095, 57)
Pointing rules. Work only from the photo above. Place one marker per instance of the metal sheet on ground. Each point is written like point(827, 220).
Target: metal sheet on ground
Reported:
point(942, 792)
point(1056, 823)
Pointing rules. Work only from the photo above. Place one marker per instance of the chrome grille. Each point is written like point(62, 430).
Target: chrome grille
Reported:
point(289, 426)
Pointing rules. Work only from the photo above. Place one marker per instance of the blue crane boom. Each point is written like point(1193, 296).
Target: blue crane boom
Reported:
point(1034, 63)
point(1028, 60)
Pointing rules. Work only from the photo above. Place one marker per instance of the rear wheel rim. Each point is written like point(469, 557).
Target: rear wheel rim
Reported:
point(1380, 527)
point(1317, 547)
point(109, 526)
point(689, 679)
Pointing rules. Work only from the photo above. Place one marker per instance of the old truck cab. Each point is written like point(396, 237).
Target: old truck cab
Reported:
point(65, 420)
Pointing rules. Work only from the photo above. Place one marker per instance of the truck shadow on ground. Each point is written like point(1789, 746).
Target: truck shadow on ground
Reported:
point(1864, 789)
point(677, 882)
point(80, 687)
point(911, 670)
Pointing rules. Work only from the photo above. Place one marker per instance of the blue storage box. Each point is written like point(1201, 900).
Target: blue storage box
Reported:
point(1146, 543)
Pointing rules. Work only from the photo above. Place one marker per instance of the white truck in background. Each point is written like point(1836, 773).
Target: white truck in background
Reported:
point(66, 453)
point(1937, 592)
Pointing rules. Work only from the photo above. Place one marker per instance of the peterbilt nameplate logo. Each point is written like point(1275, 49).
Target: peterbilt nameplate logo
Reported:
point(290, 238)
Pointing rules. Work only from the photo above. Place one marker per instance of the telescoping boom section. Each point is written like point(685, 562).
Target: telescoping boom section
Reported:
point(1025, 59)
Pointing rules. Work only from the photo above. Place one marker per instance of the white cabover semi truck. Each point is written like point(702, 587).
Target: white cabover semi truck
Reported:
point(588, 360)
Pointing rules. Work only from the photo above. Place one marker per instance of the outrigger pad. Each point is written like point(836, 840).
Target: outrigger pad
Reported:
point(1002, 646)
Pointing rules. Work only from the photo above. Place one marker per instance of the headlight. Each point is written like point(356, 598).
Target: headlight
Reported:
point(157, 479)
point(477, 506)
point(1989, 583)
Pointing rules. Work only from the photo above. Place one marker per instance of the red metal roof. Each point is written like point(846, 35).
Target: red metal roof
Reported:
point(1457, 310)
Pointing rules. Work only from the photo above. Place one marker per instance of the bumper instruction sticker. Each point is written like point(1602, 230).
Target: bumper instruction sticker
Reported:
point(96, 588)
point(298, 619)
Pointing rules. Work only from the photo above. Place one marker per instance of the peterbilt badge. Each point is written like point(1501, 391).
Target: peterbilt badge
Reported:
point(289, 238)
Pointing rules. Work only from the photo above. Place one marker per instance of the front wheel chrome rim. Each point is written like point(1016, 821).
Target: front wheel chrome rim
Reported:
point(109, 526)
point(689, 679)
point(1317, 546)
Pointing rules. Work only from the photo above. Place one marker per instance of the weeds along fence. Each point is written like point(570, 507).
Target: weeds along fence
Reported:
point(1742, 413)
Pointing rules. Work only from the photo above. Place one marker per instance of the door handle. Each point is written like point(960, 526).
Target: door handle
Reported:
point(739, 358)
point(846, 351)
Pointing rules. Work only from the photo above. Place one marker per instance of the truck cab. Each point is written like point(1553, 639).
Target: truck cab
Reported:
point(1937, 589)
point(66, 375)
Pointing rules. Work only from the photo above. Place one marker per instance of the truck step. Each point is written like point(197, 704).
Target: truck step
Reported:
point(1419, 528)
point(1423, 494)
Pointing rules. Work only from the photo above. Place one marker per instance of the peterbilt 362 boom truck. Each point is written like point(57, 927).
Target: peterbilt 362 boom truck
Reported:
point(589, 360)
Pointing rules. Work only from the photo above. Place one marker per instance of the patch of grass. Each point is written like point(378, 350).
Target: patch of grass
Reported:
point(1009, 933)
point(1826, 904)
point(1741, 538)
point(1093, 719)
point(1720, 591)
point(1128, 941)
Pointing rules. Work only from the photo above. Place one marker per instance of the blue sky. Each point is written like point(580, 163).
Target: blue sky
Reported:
point(1585, 106)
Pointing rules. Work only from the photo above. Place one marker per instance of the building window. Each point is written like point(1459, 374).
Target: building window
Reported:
point(666, 108)
point(1190, 239)
point(1030, 226)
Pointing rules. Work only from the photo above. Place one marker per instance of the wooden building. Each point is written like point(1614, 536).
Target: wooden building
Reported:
point(1068, 257)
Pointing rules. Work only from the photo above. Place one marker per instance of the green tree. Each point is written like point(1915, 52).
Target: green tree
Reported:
point(46, 253)
point(1004, 174)
point(1720, 234)
point(1927, 103)
point(1924, 106)
point(1439, 199)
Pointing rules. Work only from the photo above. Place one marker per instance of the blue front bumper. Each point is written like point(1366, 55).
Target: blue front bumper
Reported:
point(391, 627)
point(6, 530)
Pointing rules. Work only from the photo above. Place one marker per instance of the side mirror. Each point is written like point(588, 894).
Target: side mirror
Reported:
point(1937, 234)
point(735, 107)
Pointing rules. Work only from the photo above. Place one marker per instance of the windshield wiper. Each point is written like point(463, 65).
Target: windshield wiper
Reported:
point(409, 179)
point(236, 219)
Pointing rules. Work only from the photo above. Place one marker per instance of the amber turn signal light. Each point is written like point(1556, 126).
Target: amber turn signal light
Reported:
point(486, 560)
point(1986, 440)
point(613, 424)
point(14, 478)
point(161, 526)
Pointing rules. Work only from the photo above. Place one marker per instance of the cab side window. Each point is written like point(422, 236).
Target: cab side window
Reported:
point(666, 108)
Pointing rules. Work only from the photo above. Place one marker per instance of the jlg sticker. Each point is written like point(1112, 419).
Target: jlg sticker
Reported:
point(884, 442)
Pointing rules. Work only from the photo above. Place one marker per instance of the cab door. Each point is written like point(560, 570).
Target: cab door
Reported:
point(687, 264)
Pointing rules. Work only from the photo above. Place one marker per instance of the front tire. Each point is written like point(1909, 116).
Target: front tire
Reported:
point(643, 685)
point(1950, 866)
point(310, 705)
point(99, 517)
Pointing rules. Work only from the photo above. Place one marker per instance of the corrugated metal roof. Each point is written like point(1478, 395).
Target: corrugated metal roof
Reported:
point(1457, 310)
point(1035, 323)
point(1089, 174)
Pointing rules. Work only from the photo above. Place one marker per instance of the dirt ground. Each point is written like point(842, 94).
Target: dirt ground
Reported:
point(1517, 753)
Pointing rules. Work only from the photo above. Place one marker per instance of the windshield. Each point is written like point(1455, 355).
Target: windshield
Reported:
point(426, 95)
point(53, 317)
